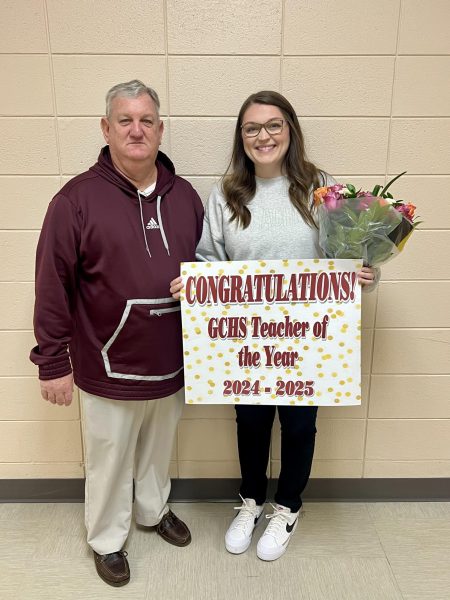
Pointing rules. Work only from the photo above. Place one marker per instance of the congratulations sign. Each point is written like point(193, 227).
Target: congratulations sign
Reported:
point(272, 332)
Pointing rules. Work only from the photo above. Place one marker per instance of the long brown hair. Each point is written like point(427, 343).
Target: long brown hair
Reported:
point(239, 183)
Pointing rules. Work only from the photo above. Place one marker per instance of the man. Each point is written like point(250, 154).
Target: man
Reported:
point(112, 240)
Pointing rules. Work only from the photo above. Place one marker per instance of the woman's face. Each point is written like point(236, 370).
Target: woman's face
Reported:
point(265, 150)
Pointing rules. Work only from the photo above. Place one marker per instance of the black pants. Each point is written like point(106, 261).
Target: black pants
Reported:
point(298, 432)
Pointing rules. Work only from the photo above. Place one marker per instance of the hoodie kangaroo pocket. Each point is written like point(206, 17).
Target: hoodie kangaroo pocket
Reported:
point(146, 344)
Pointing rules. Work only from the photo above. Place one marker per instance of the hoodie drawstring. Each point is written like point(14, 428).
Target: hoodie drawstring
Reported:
point(160, 223)
point(143, 224)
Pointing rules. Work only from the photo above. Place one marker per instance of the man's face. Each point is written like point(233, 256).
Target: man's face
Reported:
point(133, 129)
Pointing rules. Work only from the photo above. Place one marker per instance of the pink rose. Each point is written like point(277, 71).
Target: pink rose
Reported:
point(407, 210)
point(333, 200)
point(368, 199)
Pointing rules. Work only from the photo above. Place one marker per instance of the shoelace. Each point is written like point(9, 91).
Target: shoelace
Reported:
point(104, 557)
point(169, 518)
point(245, 511)
point(278, 520)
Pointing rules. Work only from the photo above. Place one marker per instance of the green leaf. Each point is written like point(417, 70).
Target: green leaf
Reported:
point(375, 190)
point(388, 185)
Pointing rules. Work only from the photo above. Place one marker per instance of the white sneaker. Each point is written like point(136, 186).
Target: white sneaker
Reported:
point(274, 541)
point(239, 534)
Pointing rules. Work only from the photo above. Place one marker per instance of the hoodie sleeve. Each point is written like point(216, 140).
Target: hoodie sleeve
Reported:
point(56, 284)
point(211, 247)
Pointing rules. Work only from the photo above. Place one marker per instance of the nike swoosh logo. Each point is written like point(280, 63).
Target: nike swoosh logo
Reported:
point(289, 528)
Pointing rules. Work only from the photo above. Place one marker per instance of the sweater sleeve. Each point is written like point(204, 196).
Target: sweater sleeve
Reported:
point(56, 284)
point(212, 244)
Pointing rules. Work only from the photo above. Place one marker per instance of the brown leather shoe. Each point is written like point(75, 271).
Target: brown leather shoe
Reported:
point(173, 530)
point(113, 568)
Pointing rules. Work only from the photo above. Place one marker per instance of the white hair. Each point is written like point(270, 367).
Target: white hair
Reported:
point(130, 89)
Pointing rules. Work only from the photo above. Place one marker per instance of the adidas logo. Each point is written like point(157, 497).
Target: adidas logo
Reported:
point(152, 224)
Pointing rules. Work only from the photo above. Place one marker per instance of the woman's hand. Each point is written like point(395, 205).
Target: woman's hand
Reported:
point(366, 276)
point(175, 288)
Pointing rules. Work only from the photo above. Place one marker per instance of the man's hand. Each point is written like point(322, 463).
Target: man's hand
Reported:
point(175, 288)
point(58, 391)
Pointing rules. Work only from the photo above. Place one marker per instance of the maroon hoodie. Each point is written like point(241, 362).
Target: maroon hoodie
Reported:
point(104, 262)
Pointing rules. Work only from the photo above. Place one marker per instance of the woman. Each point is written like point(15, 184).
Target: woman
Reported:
point(262, 209)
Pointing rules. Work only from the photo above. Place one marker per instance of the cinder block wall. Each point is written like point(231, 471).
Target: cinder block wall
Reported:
point(370, 83)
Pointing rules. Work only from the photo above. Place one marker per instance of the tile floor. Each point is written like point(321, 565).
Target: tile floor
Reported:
point(340, 551)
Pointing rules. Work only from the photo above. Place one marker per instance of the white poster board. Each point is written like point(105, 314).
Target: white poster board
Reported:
point(272, 332)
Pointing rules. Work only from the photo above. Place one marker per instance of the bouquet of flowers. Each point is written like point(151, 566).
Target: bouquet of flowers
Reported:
point(359, 224)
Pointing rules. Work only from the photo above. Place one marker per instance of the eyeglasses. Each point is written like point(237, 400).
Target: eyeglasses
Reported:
point(273, 127)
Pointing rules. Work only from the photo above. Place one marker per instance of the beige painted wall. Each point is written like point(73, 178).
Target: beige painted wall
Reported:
point(370, 81)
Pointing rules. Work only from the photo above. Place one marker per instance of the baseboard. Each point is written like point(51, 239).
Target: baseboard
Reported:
point(222, 490)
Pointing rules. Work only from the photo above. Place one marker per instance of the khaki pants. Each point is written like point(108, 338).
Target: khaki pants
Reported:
point(122, 439)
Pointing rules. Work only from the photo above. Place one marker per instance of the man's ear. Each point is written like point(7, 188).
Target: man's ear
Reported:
point(104, 124)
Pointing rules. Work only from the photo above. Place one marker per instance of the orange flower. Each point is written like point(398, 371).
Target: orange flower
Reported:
point(319, 194)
